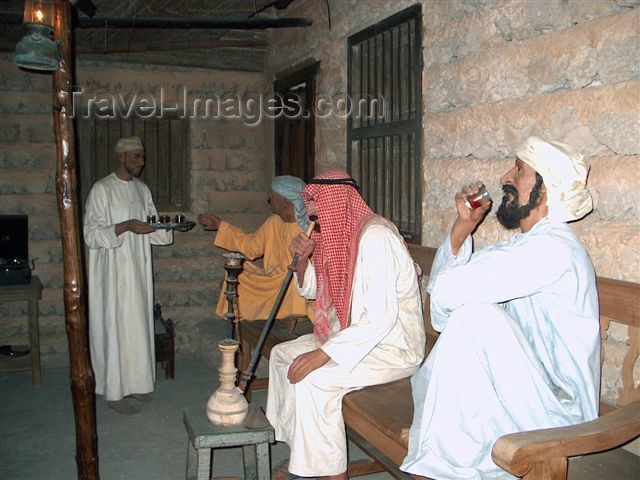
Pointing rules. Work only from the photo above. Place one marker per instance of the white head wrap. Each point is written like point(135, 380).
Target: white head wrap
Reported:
point(565, 177)
point(128, 144)
point(291, 188)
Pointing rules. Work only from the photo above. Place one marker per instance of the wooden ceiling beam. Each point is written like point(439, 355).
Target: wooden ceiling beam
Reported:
point(226, 23)
point(160, 47)
point(149, 22)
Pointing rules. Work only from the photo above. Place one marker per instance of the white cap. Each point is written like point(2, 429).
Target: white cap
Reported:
point(128, 144)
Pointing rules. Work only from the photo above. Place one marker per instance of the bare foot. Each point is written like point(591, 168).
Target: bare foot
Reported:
point(281, 471)
point(123, 407)
point(141, 397)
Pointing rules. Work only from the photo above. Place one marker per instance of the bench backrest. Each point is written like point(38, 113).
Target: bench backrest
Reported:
point(619, 302)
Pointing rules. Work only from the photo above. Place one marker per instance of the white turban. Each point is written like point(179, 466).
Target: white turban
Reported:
point(565, 177)
point(128, 144)
point(291, 188)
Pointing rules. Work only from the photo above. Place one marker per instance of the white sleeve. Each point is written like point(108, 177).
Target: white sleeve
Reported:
point(375, 279)
point(98, 231)
point(308, 288)
point(496, 274)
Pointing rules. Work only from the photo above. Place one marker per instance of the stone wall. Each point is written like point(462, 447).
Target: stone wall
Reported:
point(230, 173)
point(496, 72)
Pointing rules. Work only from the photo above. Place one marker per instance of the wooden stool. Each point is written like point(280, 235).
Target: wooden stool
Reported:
point(204, 436)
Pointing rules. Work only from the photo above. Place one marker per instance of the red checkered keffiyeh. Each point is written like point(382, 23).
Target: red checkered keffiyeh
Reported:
point(342, 214)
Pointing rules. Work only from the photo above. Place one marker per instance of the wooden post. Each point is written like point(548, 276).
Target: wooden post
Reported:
point(82, 380)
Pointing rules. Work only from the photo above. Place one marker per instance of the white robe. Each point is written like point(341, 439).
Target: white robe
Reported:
point(384, 342)
point(519, 350)
point(120, 278)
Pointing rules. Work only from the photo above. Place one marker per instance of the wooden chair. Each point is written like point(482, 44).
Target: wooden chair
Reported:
point(544, 454)
point(164, 342)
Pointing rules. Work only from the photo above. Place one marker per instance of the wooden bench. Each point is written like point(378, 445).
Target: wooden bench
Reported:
point(378, 418)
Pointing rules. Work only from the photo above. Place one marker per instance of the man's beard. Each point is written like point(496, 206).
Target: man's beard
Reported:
point(134, 171)
point(510, 212)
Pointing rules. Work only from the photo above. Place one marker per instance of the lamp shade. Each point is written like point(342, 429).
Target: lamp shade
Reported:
point(38, 11)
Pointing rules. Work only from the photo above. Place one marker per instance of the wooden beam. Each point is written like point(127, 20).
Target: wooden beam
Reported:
point(150, 22)
point(161, 47)
point(214, 23)
point(82, 380)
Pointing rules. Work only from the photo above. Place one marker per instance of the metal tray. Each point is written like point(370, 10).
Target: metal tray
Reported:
point(173, 226)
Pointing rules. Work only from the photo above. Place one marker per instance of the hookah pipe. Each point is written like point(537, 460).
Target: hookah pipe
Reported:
point(247, 375)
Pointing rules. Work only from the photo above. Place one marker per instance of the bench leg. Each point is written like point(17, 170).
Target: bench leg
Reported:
point(250, 462)
point(204, 464)
point(262, 455)
point(192, 460)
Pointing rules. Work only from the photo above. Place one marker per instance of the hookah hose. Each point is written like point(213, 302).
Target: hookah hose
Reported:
point(247, 375)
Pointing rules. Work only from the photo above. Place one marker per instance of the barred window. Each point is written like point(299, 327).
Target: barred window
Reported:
point(166, 145)
point(384, 128)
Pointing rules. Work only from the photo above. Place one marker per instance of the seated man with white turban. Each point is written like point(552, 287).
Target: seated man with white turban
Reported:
point(519, 347)
point(258, 286)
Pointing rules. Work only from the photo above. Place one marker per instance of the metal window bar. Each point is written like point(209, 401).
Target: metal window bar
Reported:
point(383, 155)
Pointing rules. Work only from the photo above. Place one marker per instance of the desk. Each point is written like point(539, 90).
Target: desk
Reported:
point(31, 293)
point(205, 436)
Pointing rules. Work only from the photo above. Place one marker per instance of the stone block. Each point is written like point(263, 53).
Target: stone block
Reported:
point(26, 182)
point(196, 243)
point(187, 270)
point(611, 246)
point(29, 204)
point(13, 79)
point(9, 132)
point(613, 182)
point(232, 202)
point(569, 59)
point(41, 156)
point(51, 275)
point(44, 227)
point(618, 131)
point(496, 130)
point(184, 294)
point(36, 103)
point(496, 24)
point(618, 58)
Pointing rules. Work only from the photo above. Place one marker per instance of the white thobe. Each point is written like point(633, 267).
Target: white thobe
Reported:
point(384, 342)
point(519, 349)
point(120, 278)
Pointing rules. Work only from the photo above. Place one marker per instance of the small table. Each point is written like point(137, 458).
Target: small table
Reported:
point(31, 293)
point(205, 436)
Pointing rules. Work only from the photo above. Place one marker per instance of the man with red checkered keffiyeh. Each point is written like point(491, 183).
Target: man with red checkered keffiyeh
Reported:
point(368, 327)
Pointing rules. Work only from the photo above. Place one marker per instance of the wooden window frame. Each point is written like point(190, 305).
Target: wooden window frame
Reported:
point(93, 137)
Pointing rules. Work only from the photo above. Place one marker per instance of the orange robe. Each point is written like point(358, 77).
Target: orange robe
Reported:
point(258, 286)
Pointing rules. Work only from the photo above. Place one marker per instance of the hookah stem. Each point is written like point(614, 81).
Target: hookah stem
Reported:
point(246, 375)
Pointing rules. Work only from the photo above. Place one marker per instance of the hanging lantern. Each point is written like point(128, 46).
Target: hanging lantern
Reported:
point(36, 50)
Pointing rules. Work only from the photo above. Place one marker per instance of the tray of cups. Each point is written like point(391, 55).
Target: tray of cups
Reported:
point(179, 222)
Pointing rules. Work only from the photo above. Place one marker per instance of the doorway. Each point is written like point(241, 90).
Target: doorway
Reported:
point(295, 130)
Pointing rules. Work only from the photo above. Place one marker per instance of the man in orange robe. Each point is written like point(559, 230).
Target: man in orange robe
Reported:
point(258, 285)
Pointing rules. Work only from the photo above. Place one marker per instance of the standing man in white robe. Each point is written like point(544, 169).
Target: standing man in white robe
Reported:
point(121, 280)
point(368, 325)
point(519, 347)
